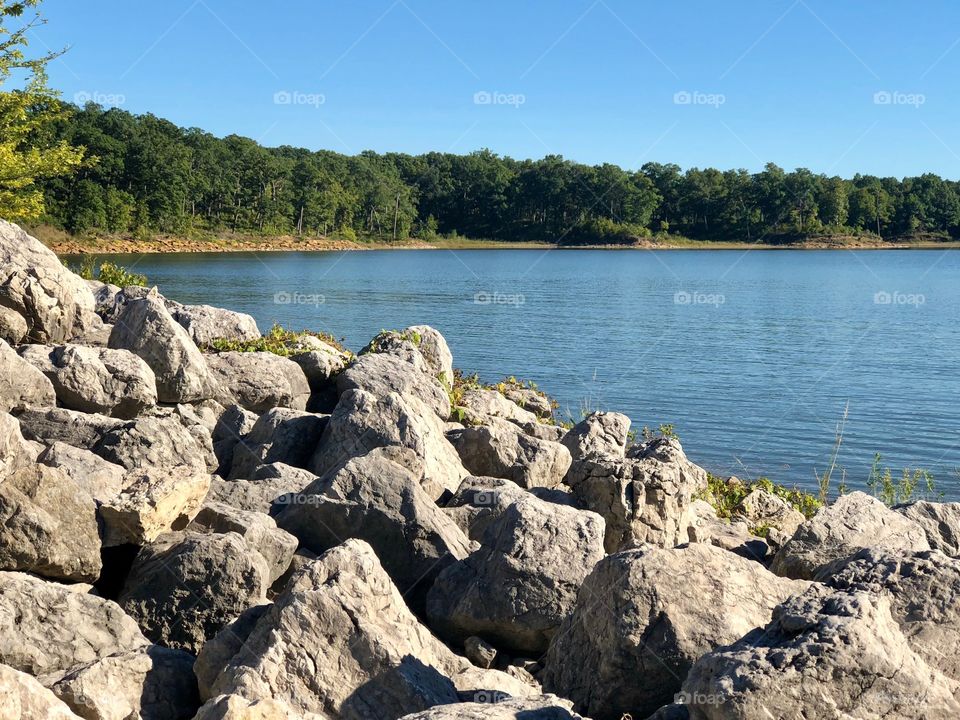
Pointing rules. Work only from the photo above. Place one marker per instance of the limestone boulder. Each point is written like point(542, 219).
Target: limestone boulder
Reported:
point(643, 617)
point(48, 526)
point(205, 323)
point(852, 523)
point(96, 380)
point(184, 587)
point(339, 626)
point(502, 450)
point(144, 327)
point(385, 373)
point(100, 479)
point(259, 381)
point(259, 531)
point(21, 384)
point(153, 501)
point(826, 653)
point(55, 303)
point(22, 697)
point(149, 683)
point(520, 585)
point(940, 522)
point(378, 498)
point(363, 422)
point(48, 630)
point(644, 497)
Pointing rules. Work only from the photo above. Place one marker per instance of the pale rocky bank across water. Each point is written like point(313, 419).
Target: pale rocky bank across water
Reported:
point(308, 533)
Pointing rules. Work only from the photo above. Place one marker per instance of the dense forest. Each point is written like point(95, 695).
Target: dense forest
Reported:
point(143, 174)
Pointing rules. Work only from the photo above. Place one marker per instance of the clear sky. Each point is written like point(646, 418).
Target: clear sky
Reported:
point(836, 86)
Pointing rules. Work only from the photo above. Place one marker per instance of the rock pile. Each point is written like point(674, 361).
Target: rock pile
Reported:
point(188, 533)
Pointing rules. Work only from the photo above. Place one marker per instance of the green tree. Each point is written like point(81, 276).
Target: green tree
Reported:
point(26, 115)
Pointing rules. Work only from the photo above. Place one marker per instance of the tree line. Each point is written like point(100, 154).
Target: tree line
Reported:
point(143, 174)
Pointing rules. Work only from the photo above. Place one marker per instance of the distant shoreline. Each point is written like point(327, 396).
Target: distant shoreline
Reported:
point(63, 244)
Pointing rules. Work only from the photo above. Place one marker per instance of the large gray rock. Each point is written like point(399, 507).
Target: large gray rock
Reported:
point(258, 529)
point(154, 501)
point(363, 422)
point(599, 434)
point(48, 526)
point(231, 426)
point(378, 498)
point(924, 593)
point(21, 384)
point(500, 449)
point(13, 326)
point(853, 522)
point(339, 626)
point(517, 588)
point(50, 425)
point(185, 587)
point(144, 327)
point(433, 346)
point(479, 405)
point(149, 683)
point(22, 697)
point(642, 619)
point(488, 706)
point(205, 323)
point(939, 520)
point(383, 373)
point(47, 629)
point(826, 654)
point(157, 442)
point(644, 497)
point(55, 303)
point(279, 435)
point(95, 380)
point(101, 479)
point(259, 381)
point(259, 494)
point(15, 451)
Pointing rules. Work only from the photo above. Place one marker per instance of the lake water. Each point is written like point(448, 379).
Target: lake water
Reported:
point(752, 356)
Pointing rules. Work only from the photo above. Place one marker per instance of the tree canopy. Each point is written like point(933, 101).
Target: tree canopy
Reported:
point(149, 174)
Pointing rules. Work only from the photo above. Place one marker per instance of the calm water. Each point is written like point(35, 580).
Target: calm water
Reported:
point(751, 355)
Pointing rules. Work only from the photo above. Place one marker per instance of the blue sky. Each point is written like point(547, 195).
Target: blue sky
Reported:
point(838, 87)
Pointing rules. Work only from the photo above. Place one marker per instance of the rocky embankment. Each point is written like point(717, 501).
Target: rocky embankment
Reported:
point(305, 533)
